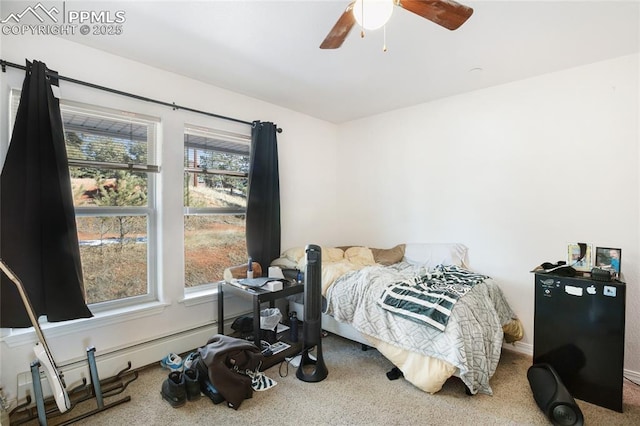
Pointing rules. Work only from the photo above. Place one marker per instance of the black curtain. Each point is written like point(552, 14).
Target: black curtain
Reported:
point(263, 203)
point(39, 240)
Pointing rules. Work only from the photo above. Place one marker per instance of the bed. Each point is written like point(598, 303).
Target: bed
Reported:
point(358, 283)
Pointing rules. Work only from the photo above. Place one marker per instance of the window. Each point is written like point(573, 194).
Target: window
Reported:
point(216, 167)
point(112, 159)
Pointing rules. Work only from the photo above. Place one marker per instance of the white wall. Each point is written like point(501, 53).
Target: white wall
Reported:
point(515, 172)
point(307, 148)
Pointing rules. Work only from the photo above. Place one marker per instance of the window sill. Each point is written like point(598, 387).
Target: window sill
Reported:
point(22, 336)
point(206, 294)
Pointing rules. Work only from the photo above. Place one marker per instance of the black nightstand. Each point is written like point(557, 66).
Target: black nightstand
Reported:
point(258, 297)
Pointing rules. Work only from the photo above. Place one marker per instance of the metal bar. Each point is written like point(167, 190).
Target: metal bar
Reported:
point(95, 380)
point(96, 411)
point(172, 105)
point(114, 166)
point(215, 172)
point(195, 211)
point(37, 391)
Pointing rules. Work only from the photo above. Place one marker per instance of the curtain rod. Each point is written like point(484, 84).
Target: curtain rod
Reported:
point(4, 64)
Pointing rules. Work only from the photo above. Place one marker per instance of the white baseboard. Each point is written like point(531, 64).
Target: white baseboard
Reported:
point(634, 376)
point(527, 349)
point(523, 348)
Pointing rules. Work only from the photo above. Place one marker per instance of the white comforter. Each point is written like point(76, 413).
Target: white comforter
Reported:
point(471, 342)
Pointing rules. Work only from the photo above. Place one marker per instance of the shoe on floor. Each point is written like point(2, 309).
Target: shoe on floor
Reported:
point(192, 384)
point(394, 374)
point(174, 390)
point(189, 361)
point(172, 362)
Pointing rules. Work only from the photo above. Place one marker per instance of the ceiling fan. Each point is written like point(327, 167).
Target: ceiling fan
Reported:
point(446, 13)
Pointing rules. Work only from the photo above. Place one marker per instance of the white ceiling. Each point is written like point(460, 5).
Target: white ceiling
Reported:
point(269, 49)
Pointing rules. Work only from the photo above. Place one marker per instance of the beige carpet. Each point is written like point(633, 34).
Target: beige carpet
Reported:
point(356, 392)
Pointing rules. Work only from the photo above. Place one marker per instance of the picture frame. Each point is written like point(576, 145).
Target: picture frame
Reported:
point(609, 258)
point(582, 264)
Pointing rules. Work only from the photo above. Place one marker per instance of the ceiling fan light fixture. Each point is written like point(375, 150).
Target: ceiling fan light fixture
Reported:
point(372, 14)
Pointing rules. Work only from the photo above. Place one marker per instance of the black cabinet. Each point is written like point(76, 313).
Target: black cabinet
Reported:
point(579, 328)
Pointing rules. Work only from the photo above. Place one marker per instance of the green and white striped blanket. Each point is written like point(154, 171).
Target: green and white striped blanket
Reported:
point(430, 298)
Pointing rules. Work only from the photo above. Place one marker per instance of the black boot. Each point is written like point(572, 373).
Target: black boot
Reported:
point(192, 384)
point(174, 390)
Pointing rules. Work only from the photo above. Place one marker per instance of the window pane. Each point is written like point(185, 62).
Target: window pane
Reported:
point(113, 250)
point(212, 244)
point(92, 187)
point(106, 135)
point(94, 147)
point(99, 138)
point(217, 140)
point(202, 190)
point(216, 163)
point(219, 160)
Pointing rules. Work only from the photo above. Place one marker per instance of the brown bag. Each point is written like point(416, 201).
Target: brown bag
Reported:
point(227, 359)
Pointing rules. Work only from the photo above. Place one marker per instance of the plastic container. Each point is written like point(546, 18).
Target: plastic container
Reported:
point(269, 319)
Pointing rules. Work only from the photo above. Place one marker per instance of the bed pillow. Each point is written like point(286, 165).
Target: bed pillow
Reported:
point(332, 254)
point(284, 263)
point(327, 255)
point(432, 254)
point(359, 256)
point(294, 254)
point(390, 256)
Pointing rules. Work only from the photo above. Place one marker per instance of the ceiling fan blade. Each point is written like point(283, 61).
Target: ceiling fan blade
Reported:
point(446, 13)
point(340, 30)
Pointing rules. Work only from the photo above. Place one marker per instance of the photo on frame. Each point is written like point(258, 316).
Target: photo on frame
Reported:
point(609, 258)
point(579, 256)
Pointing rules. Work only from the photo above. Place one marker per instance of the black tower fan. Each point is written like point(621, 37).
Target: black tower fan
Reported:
point(311, 370)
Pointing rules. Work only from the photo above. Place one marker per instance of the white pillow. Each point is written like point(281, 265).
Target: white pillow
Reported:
point(432, 254)
point(284, 263)
point(294, 254)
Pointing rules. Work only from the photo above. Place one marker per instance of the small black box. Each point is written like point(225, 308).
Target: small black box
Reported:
point(210, 391)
